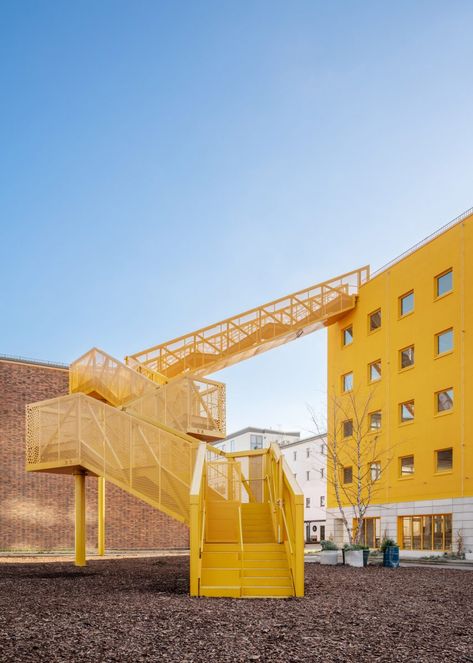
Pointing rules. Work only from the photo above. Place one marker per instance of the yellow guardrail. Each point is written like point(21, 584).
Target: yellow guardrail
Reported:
point(242, 336)
point(78, 431)
point(197, 518)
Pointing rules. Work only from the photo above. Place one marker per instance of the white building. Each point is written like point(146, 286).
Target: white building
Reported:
point(307, 460)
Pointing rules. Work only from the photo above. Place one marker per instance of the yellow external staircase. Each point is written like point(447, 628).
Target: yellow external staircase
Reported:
point(145, 426)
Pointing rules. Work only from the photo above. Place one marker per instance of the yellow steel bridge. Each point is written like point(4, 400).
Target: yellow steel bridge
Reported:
point(144, 425)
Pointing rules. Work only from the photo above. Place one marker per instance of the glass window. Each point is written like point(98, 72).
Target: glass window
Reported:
point(307, 475)
point(406, 303)
point(323, 449)
point(444, 341)
point(307, 502)
point(322, 474)
point(444, 283)
point(375, 370)
point(406, 357)
point(256, 442)
point(375, 320)
point(347, 382)
point(444, 400)
point(322, 500)
point(348, 428)
point(307, 453)
point(347, 474)
point(407, 466)
point(294, 455)
point(375, 471)
point(347, 335)
point(427, 532)
point(375, 420)
point(371, 531)
point(407, 411)
point(444, 460)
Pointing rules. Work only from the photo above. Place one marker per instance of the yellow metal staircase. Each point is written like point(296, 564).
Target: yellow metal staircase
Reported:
point(144, 426)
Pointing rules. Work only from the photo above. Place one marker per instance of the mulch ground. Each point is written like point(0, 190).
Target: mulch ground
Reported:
point(138, 610)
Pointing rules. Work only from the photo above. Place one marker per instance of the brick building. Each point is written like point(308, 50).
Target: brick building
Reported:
point(37, 510)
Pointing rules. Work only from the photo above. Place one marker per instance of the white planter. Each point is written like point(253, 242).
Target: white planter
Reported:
point(469, 556)
point(329, 557)
point(354, 557)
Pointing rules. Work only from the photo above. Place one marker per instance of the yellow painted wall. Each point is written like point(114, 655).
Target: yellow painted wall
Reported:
point(428, 432)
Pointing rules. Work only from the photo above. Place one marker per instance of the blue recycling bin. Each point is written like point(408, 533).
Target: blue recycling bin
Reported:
point(391, 557)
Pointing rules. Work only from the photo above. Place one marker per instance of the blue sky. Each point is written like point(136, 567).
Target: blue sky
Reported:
point(166, 164)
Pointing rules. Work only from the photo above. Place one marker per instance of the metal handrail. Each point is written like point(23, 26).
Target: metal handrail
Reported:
point(281, 506)
point(241, 543)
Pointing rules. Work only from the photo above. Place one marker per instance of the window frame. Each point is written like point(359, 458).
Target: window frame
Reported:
point(436, 461)
point(344, 469)
point(403, 422)
point(442, 413)
point(370, 315)
point(344, 330)
point(345, 375)
point(307, 502)
point(407, 476)
point(423, 516)
point(407, 347)
point(345, 435)
point(322, 501)
point(437, 336)
point(372, 363)
point(256, 438)
point(436, 284)
point(400, 300)
point(370, 428)
point(370, 468)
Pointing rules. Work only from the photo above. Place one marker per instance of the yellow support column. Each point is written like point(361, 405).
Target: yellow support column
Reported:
point(101, 516)
point(79, 480)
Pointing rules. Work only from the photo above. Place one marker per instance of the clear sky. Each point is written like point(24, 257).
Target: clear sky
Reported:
point(165, 164)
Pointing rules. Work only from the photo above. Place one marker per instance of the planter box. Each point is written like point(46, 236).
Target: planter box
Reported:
point(391, 557)
point(469, 556)
point(354, 557)
point(329, 557)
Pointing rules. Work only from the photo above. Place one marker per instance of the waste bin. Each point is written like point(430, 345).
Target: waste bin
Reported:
point(391, 557)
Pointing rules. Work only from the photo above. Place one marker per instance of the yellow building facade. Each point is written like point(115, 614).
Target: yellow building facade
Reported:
point(405, 354)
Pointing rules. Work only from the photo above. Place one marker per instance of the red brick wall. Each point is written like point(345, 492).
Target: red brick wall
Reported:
point(37, 509)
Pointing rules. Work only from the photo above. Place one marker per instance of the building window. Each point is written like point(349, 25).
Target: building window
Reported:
point(444, 460)
point(375, 420)
point(406, 411)
point(323, 449)
point(347, 335)
point(347, 382)
point(307, 475)
point(294, 455)
point(406, 466)
point(444, 400)
point(375, 471)
point(444, 283)
point(322, 472)
point(307, 502)
point(348, 428)
point(347, 474)
point(406, 303)
point(371, 536)
point(406, 357)
point(426, 532)
point(256, 442)
point(374, 320)
point(374, 371)
point(444, 342)
point(307, 453)
point(232, 445)
point(322, 500)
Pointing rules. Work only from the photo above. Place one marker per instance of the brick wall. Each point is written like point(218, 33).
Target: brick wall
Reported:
point(37, 509)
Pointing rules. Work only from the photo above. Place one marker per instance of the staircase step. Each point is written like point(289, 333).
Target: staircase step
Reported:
point(221, 577)
point(266, 581)
point(223, 560)
point(231, 591)
point(265, 592)
point(280, 563)
point(266, 572)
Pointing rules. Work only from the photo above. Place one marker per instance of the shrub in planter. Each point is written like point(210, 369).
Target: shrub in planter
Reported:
point(390, 551)
point(354, 555)
point(469, 555)
point(329, 554)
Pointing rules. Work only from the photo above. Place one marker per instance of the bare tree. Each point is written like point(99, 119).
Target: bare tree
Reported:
point(355, 458)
